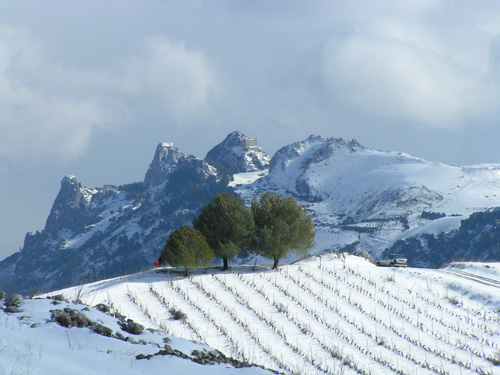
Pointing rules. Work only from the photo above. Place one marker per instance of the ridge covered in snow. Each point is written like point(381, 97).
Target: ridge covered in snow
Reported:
point(360, 199)
point(364, 200)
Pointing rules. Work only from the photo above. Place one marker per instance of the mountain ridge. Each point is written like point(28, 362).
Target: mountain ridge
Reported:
point(363, 200)
point(360, 199)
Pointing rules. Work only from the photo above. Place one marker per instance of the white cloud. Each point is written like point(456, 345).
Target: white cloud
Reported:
point(52, 111)
point(173, 76)
point(38, 118)
point(411, 71)
point(36, 125)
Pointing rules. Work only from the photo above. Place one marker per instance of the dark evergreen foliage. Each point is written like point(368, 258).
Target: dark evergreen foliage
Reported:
point(226, 224)
point(187, 248)
point(281, 225)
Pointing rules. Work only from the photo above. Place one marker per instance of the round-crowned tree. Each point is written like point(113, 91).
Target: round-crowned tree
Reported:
point(281, 225)
point(187, 248)
point(226, 224)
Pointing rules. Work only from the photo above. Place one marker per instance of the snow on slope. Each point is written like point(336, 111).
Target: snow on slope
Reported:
point(30, 343)
point(349, 174)
point(368, 199)
point(332, 314)
point(247, 178)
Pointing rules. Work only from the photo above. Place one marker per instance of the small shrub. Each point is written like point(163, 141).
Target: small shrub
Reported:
point(177, 314)
point(282, 308)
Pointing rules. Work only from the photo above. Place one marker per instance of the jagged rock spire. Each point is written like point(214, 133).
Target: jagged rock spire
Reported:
point(165, 160)
point(69, 199)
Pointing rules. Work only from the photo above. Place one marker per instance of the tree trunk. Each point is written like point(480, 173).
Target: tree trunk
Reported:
point(225, 267)
point(186, 272)
point(275, 265)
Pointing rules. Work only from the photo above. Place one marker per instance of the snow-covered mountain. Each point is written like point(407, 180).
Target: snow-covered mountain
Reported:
point(361, 200)
point(364, 200)
point(238, 154)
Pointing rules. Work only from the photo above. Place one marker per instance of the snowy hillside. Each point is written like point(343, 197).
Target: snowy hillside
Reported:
point(363, 199)
point(36, 340)
point(334, 314)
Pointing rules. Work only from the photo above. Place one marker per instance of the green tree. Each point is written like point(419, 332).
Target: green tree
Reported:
point(187, 248)
point(226, 224)
point(281, 225)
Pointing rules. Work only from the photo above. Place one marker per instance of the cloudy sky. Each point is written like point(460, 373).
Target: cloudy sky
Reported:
point(89, 88)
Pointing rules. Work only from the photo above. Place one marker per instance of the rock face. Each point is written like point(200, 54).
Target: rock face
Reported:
point(68, 208)
point(238, 154)
point(166, 158)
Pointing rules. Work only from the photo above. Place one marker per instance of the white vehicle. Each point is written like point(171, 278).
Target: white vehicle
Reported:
point(393, 260)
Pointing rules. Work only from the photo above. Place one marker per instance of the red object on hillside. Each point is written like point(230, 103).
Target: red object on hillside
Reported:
point(156, 263)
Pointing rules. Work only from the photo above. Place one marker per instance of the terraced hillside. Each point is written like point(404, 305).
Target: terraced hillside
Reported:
point(334, 314)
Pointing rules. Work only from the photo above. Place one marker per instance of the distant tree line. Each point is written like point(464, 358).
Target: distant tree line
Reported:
point(272, 227)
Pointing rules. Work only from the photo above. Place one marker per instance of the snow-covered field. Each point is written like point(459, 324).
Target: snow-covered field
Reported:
point(334, 314)
point(30, 343)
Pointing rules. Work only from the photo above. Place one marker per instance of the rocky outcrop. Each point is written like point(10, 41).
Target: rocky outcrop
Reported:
point(70, 318)
point(318, 149)
point(164, 162)
point(131, 327)
point(237, 154)
point(70, 206)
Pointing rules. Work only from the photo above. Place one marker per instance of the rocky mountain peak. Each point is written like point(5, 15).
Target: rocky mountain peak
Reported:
point(166, 158)
point(234, 139)
point(237, 154)
point(70, 192)
point(312, 150)
point(69, 199)
point(69, 180)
